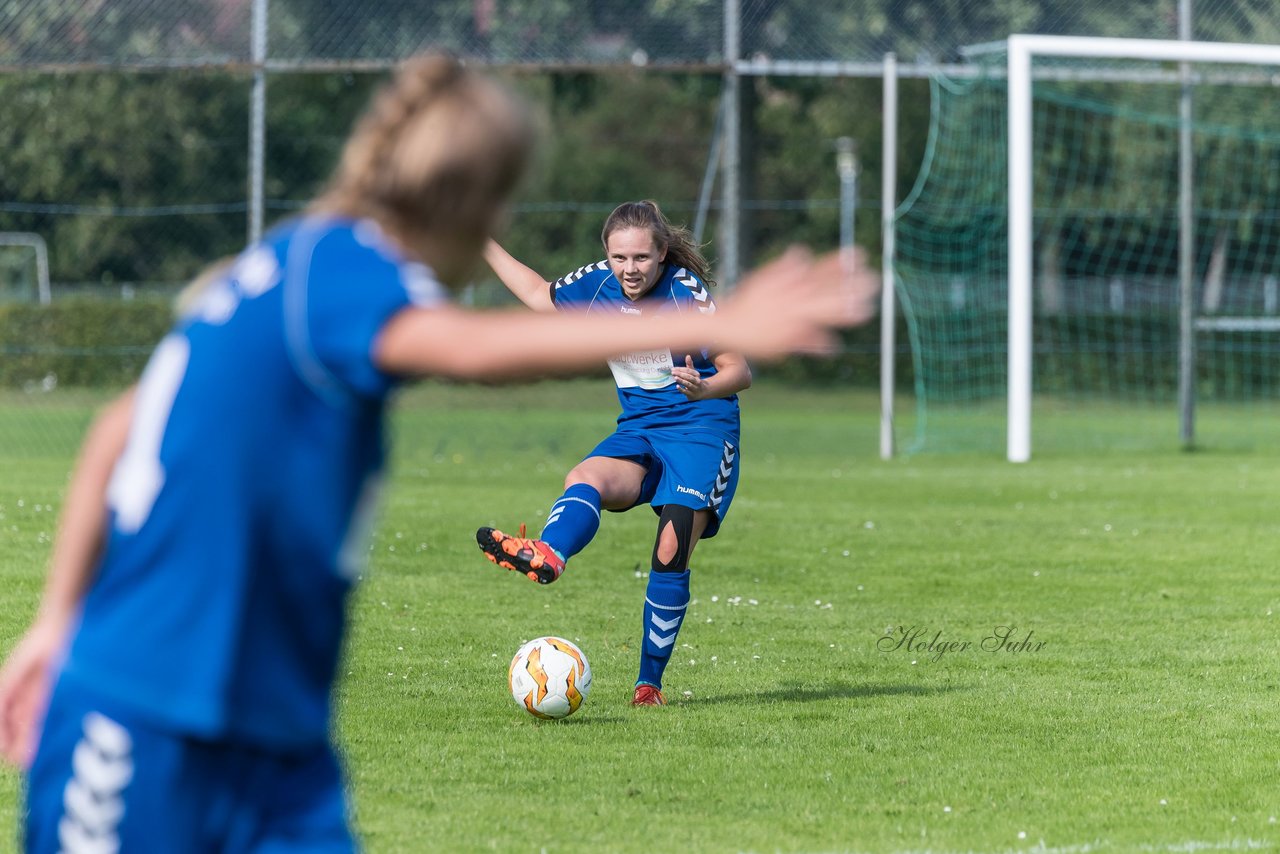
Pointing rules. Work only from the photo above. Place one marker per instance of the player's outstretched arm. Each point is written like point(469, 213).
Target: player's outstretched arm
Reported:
point(523, 281)
point(25, 680)
point(792, 305)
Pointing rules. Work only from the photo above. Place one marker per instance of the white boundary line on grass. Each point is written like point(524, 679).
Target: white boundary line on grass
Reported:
point(1188, 847)
point(1195, 845)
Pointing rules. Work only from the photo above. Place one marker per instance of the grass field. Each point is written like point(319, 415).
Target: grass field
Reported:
point(823, 696)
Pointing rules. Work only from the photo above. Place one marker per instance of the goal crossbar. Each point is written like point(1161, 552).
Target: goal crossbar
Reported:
point(1021, 51)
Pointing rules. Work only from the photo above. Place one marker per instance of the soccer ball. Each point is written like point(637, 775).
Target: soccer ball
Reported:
point(549, 677)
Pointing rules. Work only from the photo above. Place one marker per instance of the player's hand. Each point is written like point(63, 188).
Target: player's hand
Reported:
point(25, 683)
point(795, 303)
point(689, 381)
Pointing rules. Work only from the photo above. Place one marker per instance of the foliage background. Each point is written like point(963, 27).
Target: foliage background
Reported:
point(124, 123)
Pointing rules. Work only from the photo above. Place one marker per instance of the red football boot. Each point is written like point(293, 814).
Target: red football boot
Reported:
point(529, 557)
point(647, 695)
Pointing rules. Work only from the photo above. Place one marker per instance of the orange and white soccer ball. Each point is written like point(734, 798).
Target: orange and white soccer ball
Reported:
point(549, 677)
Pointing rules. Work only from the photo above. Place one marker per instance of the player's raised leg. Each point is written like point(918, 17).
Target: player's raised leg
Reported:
point(595, 483)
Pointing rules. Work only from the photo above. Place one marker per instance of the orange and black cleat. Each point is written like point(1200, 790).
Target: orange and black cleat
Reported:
point(648, 695)
point(531, 558)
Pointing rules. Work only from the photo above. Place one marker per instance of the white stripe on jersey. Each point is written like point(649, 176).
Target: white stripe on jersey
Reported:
point(301, 251)
point(93, 802)
point(700, 293)
point(579, 273)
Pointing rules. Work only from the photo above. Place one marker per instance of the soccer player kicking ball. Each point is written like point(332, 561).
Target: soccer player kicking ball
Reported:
point(676, 446)
point(173, 693)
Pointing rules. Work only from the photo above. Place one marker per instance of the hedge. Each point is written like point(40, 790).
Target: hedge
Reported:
point(79, 342)
point(85, 342)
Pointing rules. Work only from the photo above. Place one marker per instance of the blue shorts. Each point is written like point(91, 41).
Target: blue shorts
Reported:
point(694, 468)
point(101, 777)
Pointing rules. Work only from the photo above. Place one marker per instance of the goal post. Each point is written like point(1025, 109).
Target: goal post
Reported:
point(1022, 50)
point(36, 245)
point(1082, 248)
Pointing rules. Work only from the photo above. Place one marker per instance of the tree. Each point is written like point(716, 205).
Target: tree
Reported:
point(87, 155)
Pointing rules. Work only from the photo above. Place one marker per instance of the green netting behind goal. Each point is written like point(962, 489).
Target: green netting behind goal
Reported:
point(1106, 277)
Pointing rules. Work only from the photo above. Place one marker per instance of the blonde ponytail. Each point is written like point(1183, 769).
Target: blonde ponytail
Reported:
point(439, 150)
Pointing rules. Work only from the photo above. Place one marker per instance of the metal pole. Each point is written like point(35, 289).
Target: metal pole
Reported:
point(258, 120)
point(1186, 246)
point(888, 204)
point(1020, 265)
point(847, 169)
point(709, 175)
point(731, 164)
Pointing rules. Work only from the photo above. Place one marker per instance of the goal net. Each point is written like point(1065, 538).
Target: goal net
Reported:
point(1147, 285)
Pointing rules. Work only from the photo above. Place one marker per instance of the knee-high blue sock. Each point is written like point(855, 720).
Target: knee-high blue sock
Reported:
point(573, 520)
point(665, 601)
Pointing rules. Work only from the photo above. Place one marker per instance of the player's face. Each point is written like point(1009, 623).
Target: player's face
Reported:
point(635, 259)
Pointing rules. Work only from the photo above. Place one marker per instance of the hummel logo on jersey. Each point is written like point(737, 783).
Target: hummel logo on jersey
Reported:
point(664, 641)
point(580, 272)
point(626, 309)
point(723, 475)
point(661, 641)
point(699, 290)
point(665, 625)
point(92, 802)
point(687, 491)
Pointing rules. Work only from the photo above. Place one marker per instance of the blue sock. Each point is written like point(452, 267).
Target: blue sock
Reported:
point(573, 520)
point(665, 601)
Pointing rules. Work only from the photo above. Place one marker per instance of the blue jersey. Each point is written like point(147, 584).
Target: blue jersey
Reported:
point(646, 388)
point(240, 506)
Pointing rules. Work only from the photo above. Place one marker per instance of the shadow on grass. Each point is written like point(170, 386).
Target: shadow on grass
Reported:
point(810, 694)
point(777, 696)
point(591, 718)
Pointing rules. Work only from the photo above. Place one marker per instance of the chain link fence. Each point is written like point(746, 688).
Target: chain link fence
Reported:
point(177, 33)
point(127, 129)
point(125, 125)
